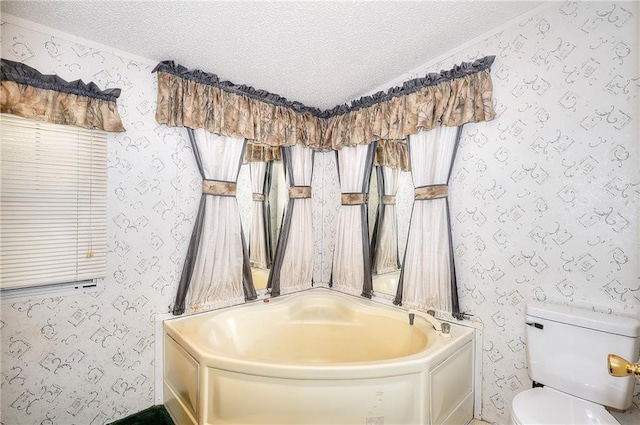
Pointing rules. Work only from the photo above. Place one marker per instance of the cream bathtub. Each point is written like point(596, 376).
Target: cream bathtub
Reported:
point(316, 357)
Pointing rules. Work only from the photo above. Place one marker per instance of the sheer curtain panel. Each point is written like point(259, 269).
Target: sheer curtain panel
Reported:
point(292, 268)
point(428, 277)
point(351, 271)
point(216, 272)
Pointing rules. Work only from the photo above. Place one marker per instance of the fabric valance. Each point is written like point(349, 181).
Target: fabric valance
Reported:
point(425, 104)
point(260, 153)
point(392, 154)
point(29, 94)
point(196, 99)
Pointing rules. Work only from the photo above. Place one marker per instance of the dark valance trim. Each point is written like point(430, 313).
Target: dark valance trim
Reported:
point(24, 74)
point(408, 87)
point(170, 67)
point(412, 86)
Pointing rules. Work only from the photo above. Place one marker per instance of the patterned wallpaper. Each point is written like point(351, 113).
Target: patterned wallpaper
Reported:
point(544, 205)
point(88, 358)
point(545, 198)
point(102, 343)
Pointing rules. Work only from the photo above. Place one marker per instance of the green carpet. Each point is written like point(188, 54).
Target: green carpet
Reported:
point(156, 415)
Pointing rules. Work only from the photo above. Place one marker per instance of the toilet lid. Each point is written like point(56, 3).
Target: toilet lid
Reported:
point(546, 406)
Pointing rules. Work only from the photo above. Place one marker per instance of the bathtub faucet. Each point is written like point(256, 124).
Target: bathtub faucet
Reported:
point(437, 325)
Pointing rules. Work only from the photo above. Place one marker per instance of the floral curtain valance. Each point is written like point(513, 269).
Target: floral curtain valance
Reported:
point(29, 94)
point(392, 154)
point(196, 99)
point(261, 153)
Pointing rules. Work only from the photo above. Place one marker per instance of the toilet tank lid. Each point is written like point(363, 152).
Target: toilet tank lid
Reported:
point(620, 325)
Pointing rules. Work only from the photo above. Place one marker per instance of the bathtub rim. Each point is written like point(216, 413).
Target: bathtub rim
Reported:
point(433, 353)
point(470, 322)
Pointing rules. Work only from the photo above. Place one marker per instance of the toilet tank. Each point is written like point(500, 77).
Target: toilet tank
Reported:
point(567, 350)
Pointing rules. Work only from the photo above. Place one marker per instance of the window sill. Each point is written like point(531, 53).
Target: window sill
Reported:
point(54, 290)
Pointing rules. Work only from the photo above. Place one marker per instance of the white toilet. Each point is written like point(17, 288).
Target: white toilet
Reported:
point(567, 351)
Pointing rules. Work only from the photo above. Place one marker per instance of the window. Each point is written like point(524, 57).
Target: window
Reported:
point(52, 205)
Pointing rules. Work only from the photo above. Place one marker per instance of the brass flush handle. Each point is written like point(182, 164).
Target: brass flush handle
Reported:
point(620, 367)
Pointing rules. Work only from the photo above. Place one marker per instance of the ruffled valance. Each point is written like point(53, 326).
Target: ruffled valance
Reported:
point(29, 94)
point(451, 98)
point(196, 99)
point(392, 154)
point(260, 153)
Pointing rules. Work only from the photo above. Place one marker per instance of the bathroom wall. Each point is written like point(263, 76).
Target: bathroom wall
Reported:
point(544, 204)
point(88, 359)
point(544, 199)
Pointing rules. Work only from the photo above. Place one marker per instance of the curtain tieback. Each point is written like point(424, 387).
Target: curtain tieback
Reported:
point(258, 197)
point(355, 198)
point(435, 191)
point(300, 192)
point(388, 200)
point(218, 188)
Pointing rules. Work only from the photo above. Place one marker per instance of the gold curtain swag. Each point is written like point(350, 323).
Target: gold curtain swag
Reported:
point(29, 94)
point(196, 99)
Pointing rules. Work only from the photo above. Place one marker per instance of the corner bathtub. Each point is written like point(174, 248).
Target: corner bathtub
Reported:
point(316, 357)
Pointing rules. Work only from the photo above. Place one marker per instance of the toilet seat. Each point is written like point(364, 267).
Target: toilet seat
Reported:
point(546, 406)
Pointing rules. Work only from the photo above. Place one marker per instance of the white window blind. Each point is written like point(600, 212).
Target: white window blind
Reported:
point(53, 203)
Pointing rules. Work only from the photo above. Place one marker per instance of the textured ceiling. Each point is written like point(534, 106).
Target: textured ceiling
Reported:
point(319, 53)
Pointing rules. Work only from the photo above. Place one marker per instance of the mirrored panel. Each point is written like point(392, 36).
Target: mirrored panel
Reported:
point(389, 218)
point(261, 214)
